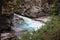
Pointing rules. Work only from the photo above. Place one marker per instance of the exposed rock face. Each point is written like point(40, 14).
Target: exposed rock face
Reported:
point(33, 8)
point(7, 36)
point(18, 21)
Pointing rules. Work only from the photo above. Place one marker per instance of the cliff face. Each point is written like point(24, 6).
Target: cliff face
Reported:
point(33, 8)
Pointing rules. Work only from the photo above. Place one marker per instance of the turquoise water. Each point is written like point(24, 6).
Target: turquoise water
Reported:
point(29, 24)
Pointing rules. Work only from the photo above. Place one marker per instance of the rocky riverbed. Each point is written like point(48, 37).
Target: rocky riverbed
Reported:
point(18, 29)
point(30, 24)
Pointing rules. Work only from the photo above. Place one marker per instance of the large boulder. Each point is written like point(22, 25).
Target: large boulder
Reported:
point(33, 8)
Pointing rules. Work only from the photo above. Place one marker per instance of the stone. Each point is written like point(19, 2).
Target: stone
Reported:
point(18, 29)
point(5, 36)
point(18, 21)
point(33, 8)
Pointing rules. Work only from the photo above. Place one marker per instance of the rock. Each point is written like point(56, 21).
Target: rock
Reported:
point(18, 29)
point(18, 21)
point(43, 19)
point(18, 32)
point(14, 33)
point(33, 8)
point(5, 36)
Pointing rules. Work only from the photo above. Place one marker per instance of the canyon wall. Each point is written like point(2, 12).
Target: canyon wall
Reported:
point(33, 8)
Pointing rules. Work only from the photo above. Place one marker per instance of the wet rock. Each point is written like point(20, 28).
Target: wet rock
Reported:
point(13, 34)
point(18, 21)
point(43, 19)
point(19, 30)
point(5, 36)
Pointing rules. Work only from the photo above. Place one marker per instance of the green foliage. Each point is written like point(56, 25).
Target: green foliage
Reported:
point(26, 36)
point(55, 8)
point(19, 2)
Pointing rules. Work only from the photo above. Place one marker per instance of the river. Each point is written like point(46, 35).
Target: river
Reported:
point(29, 24)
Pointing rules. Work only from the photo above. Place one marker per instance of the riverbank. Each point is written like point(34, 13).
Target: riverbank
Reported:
point(29, 24)
point(43, 19)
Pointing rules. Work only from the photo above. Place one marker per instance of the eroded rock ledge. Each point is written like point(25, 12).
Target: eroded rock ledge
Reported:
point(33, 8)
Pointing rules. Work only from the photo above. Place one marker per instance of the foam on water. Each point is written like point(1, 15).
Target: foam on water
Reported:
point(29, 24)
